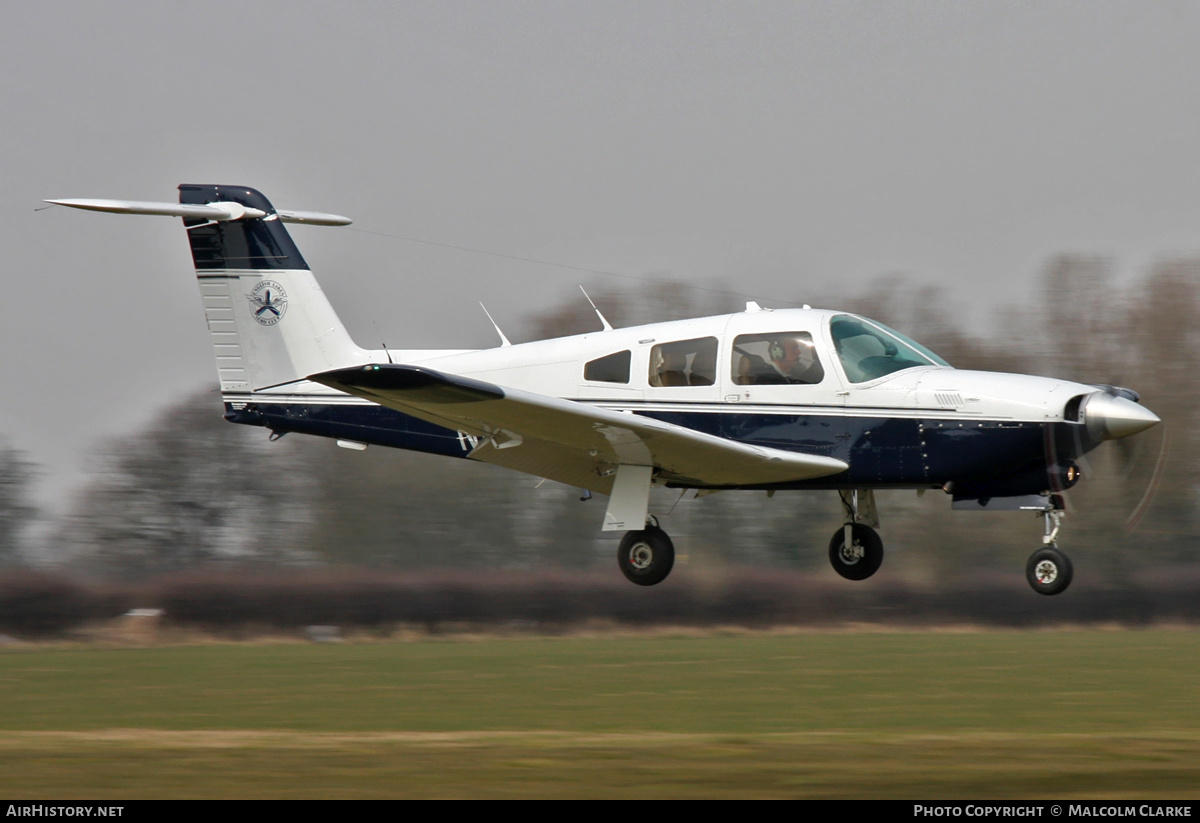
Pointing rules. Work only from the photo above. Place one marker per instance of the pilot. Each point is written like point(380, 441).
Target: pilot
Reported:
point(795, 360)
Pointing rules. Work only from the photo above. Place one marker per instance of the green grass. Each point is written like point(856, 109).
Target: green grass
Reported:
point(918, 715)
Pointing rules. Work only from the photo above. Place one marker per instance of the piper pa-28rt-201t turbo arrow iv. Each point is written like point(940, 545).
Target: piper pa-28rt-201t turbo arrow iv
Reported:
point(761, 399)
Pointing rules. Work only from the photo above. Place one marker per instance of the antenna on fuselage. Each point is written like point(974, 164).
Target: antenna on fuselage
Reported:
point(385, 348)
point(503, 340)
point(604, 322)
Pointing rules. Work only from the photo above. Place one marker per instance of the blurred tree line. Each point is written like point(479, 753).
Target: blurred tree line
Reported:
point(17, 513)
point(194, 492)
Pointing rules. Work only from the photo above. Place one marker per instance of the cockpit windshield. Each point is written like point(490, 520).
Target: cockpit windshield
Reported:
point(869, 350)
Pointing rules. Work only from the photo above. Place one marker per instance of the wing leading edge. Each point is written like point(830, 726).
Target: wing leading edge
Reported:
point(567, 441)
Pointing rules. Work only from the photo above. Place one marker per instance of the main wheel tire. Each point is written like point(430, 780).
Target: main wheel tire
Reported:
point(1049, 571)
point(864, 556)
point(646, 556)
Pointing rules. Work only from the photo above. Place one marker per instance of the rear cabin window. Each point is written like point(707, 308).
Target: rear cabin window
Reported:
point(684, 363)
point(612, 368)
point(776, 359)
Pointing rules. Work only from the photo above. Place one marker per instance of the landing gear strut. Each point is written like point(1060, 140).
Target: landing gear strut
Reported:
point(646, 556)
point(856, 551)
point(1048, 570)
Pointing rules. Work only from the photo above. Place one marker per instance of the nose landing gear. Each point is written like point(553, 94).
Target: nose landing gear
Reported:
point(1048, 570)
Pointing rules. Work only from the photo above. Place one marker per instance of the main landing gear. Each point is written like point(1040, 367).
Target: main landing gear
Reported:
point(646, 556)
point(1048, 570)
point(856, 550)
point(859, 558)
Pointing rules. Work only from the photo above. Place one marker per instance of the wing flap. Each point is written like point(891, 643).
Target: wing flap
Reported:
point(568, 441)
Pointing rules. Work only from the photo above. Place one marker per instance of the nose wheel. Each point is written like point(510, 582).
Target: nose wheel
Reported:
point(1049, 571)
point(646, 556)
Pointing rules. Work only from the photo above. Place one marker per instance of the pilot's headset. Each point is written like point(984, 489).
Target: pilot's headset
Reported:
point(776, 351)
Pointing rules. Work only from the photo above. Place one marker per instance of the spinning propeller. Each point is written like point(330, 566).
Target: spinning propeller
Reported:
point(1110, 413)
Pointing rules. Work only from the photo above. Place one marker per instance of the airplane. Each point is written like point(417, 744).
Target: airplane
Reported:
point(762, 399)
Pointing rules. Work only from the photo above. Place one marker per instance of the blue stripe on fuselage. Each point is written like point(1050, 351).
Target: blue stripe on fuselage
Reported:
point(881, 451)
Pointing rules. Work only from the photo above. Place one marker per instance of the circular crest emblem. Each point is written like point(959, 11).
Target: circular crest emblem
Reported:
point(268, 302)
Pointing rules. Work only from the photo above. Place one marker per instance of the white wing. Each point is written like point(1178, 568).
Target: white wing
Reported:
point(571, 442)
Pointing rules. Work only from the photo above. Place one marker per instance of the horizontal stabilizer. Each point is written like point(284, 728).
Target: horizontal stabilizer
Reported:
point(210, 211)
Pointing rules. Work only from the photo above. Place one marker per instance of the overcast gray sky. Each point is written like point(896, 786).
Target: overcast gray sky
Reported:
point(782, 146)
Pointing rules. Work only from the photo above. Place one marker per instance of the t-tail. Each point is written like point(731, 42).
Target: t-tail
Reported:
point(269, 321)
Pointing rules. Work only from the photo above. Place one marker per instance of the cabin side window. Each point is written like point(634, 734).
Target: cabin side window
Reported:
point(775, 359)
point(612, 368)
point(684, 363)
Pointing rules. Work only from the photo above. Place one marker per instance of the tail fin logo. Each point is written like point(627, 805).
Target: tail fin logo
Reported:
point(268, 302)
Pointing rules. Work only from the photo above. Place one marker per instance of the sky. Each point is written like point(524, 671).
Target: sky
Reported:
point(774, 148)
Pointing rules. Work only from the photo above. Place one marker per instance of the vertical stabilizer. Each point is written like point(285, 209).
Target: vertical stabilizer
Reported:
point(269, 320)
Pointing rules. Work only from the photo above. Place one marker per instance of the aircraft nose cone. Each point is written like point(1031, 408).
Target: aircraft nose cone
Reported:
point(1110, 418)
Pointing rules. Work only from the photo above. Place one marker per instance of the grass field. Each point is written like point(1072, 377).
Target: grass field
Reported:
point(1067, 714)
